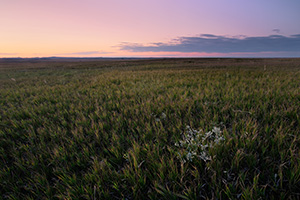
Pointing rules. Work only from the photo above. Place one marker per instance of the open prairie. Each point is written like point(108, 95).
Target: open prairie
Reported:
point(150, 128)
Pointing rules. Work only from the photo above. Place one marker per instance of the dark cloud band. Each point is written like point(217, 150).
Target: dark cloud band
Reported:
point(209, 43)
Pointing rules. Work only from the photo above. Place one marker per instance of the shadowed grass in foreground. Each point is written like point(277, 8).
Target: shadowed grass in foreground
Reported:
point(151, 129)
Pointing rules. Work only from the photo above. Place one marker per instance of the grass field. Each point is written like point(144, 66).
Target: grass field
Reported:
point(150, 129)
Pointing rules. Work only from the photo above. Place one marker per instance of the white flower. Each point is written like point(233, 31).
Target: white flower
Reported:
point(208, 135)
point(216, 130)
point(189, 156)
point(194, 142)
point(204, 156)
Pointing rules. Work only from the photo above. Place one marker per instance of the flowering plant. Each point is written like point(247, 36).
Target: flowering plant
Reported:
point(195, 143)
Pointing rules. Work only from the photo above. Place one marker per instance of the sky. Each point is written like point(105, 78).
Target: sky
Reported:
point(150, 28)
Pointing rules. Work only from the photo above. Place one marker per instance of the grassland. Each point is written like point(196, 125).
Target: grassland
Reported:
point(144, 129)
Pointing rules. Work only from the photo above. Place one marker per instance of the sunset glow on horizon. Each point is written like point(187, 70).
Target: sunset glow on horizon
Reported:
point(142, 28)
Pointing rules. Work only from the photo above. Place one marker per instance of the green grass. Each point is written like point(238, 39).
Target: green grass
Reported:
point(108, 129)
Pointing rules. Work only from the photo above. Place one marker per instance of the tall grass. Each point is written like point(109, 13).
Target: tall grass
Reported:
point(108, 130)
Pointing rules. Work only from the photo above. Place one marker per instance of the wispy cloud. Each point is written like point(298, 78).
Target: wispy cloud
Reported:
point(85, 53)
point(209, 43)
point(276, 30)
point(7, 54)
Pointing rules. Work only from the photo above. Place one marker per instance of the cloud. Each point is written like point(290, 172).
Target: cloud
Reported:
point(85, 53)
point(209, 36)
point(276, 30)
point(209, 43)
point(7, 54)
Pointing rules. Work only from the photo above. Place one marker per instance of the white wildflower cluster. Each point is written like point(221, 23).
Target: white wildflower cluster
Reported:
point(159, 117)
point(196, 144)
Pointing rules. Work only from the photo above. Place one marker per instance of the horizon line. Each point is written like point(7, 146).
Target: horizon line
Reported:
point(143, 57)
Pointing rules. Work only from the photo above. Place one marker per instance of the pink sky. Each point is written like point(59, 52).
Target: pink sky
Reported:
point(91, 28)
